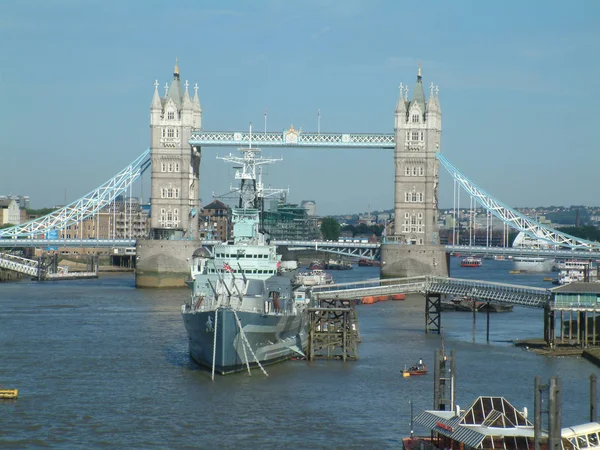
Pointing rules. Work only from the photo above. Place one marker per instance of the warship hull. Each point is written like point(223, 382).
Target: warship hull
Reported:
point(272, 338)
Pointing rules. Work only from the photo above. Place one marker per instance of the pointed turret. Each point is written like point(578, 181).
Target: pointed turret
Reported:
point(401, 104)
point(419, 94)
point(156, 104)
point(433, 104)
point(197, 110)
point(196, 100)
point(186, 102)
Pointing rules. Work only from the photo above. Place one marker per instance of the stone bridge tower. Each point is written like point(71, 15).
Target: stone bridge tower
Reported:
point(414, 248)
point(175, 166)
point(162, 260)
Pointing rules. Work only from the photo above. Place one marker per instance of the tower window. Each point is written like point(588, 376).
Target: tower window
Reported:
point(407, 171)
point(176, 167)
point(163, 167)
point(415, 135)
point(422, 135)
point(421, 171)
point(415, 118)
point(171, 115)
point(170, 132)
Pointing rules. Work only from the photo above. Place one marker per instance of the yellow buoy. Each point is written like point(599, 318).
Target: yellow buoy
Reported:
point(405, 374)
point(9, 393)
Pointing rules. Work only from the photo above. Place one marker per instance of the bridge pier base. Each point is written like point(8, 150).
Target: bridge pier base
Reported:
point(402, 260)
point(163, 263)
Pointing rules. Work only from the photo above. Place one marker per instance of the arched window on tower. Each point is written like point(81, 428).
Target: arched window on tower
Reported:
point(415, 118)
point(171, 115)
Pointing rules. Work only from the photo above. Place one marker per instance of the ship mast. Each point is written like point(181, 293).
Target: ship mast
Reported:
point(249, 173)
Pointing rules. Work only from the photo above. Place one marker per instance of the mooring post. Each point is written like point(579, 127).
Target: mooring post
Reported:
point(487, 328)
point(555, 409)
point(474, 315)
point(593, 380)
point(436, 380)
point(537, 413)
point(344, 335)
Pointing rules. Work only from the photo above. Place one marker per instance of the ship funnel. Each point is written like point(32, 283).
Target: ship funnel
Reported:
point(525, 412)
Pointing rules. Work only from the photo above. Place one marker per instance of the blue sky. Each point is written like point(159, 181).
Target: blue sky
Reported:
point(518, 91)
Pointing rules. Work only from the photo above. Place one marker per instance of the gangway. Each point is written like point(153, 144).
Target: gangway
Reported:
point(510, 294)
point(39, 271)
point(19, 264)
point(433, 288)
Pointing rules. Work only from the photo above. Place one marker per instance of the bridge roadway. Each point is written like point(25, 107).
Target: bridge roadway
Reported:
point(509, 294)
point(369, 250)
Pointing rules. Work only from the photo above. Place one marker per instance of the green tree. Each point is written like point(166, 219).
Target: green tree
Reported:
point(330, 229)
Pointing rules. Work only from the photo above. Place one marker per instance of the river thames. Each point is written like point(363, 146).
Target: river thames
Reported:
point(101, 364)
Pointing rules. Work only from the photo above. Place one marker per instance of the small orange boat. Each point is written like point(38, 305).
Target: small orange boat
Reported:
point(417, 369)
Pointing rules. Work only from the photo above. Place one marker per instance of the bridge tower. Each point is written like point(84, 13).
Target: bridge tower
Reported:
point(175, 166)
point(414, 248)
point(161, 261)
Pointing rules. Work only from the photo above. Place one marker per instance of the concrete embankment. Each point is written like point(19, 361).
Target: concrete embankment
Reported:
point(592, 355)
point(540, 347)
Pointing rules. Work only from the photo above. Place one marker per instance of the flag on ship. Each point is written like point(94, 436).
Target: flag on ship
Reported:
point(227, 267)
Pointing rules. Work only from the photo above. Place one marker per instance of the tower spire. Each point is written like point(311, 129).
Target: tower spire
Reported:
point(176, 69)
point(418, 93)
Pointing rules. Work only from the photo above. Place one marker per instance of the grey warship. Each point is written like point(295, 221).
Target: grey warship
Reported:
point(243, 311)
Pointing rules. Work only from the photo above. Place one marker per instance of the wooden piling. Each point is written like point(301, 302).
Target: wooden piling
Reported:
point(334, 332)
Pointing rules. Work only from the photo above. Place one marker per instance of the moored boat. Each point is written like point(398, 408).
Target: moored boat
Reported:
point(336, 264)
point(364, 262)
point(471, 261)
point(317, 265)
point(312, 278)
point(533, 263)
point(572, 271)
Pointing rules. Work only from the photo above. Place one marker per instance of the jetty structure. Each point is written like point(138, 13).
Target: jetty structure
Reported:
point(492, 422)
point(46, 268)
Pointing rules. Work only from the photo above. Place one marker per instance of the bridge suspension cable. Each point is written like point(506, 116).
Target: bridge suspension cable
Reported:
point(86, 206)
point(513, 218)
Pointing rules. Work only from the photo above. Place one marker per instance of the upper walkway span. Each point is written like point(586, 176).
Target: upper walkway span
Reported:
point(291, 138)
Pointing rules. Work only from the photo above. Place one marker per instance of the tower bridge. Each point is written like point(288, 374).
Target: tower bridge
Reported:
point(177, 139)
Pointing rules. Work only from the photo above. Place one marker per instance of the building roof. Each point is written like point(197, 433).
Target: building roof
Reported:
point(216, 204)
point(578, 288)
point(5, 202)
point(487, 416)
